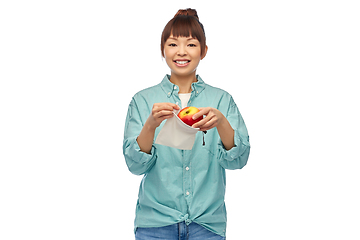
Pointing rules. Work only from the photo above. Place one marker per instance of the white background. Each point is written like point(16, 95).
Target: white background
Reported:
point(68, 70)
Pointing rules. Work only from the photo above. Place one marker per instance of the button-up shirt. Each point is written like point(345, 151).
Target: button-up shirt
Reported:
point(184, 185)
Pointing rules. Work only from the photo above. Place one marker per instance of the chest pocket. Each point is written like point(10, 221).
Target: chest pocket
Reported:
point(208, 140)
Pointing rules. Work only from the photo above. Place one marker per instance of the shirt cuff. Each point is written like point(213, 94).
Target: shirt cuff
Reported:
point(241, 144)
point(137, 155)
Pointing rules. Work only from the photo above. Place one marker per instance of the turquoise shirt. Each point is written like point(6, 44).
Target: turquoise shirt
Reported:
point(184, 185)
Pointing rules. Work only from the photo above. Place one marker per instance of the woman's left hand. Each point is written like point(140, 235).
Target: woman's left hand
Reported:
point(213, 118)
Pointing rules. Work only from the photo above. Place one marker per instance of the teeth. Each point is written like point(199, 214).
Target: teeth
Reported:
point(182, 62)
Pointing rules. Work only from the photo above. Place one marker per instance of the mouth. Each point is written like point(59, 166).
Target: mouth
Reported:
point(182, 62)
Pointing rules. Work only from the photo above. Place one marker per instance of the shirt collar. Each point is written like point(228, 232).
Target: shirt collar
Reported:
point(169, 87)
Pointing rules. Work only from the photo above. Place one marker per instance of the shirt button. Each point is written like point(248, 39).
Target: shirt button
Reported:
point(187, 168)
point(187, 193)
point(174, 87)
point(169, 93)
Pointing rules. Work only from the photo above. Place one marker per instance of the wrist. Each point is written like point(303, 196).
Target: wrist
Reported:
point(226, 133)
point(145, 138)
point(149, 127)
point(221, 121)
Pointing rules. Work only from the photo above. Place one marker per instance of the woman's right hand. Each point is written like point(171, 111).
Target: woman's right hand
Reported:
point(160, 112)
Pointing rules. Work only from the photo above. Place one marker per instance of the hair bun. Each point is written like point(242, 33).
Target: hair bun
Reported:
point(187, 12)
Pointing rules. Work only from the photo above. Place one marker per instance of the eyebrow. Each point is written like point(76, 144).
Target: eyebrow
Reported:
point(174, 38)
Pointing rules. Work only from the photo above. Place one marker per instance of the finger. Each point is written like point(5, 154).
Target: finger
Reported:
point(161, 107)
point(174, 106)
point(208, 128)
point(162, 118)
point(204, 121)
point(165, 106)
point(171, 105)
point(202, 112)
point(209, 125)
point(163, 113)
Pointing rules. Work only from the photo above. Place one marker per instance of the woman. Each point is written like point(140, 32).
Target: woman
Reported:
point(181, 195)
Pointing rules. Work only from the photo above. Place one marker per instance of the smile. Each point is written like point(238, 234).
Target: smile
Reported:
point(182, 63)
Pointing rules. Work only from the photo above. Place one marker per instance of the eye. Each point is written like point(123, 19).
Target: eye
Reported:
point(172, 45)
point(192, 45)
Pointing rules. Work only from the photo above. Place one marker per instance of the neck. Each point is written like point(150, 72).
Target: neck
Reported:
point(184, 82)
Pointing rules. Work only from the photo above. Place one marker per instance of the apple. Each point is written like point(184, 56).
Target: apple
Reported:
point(186, 115)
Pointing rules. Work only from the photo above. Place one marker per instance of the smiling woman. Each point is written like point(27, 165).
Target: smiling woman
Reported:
point(183, 191)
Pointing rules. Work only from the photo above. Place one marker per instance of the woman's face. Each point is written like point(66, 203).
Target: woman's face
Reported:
point(182, 55)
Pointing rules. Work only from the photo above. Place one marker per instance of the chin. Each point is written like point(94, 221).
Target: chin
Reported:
point(184, 73)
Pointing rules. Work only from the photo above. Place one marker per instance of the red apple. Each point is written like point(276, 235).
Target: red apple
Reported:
point(186, 115)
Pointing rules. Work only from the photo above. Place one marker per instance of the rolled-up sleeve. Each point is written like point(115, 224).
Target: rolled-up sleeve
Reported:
point(137, 161)
point(236, 157)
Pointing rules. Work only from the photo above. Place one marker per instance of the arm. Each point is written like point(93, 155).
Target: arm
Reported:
point(234, 147)
point(137, 161)
point(237, 157)
point(139, 152)
point(226, 133)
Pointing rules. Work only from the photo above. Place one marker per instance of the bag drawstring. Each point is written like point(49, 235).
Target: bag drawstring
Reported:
point(204, 132)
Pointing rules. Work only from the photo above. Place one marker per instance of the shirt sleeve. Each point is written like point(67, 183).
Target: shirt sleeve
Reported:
point(236, 157)
point(137, 161)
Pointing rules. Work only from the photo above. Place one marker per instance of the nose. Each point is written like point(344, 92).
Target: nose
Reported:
point(182, 51)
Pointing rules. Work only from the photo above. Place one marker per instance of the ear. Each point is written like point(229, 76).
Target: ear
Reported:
point(204, 54)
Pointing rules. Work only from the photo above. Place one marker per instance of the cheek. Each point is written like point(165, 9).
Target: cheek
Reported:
point(196, 54)
point(167, 55)
point(168, 59)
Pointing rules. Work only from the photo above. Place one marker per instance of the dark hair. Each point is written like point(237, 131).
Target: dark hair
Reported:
point(185, 23)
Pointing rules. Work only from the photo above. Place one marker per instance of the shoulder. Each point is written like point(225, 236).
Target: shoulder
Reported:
point(219, 93)
point(218, 98)
point(147, 92)
point(214, 89)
